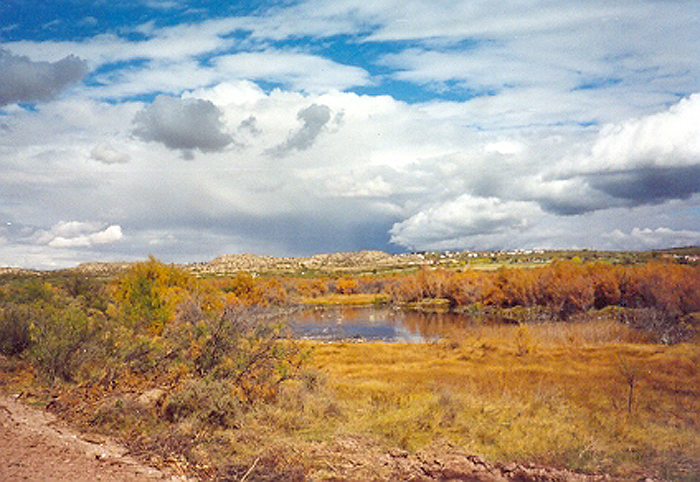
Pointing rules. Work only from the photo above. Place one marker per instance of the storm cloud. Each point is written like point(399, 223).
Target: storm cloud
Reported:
point(22, 80)
point(185, 124)
point(649, 185)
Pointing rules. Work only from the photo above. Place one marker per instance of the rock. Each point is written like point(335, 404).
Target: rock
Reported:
point(152, 398)
point(398, 453)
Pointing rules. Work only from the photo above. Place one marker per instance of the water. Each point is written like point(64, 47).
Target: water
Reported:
point(376, 324)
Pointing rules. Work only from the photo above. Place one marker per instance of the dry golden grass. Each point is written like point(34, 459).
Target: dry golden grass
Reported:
point(557, 394)
point(352, 299)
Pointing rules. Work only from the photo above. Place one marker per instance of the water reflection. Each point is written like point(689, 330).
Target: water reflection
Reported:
point(376, 324)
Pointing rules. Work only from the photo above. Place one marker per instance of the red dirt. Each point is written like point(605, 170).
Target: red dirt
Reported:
point(34, 446)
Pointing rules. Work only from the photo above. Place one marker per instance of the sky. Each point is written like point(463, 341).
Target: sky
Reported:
point(191, 129)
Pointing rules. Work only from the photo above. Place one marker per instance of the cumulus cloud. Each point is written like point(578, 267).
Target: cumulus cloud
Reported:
point(667, 139)
point(250, 125)
point(106, 154)
point(451, 224)
point(648, 238)
point(185, 124)
point(22, 80)
point(644, 160)
point(314, 118)
point(75, 234)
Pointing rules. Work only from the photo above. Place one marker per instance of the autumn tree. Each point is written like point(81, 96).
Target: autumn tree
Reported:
point(346, 285)
point(606, 284)
point(565, 289)
point(148, 294)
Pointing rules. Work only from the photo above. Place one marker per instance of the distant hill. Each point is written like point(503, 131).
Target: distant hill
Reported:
point(379, 261)
point(232, 263)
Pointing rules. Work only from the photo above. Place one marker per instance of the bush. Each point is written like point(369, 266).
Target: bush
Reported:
point(209, 402)
point(248, 347)
point(15, 336)
point(62, 341)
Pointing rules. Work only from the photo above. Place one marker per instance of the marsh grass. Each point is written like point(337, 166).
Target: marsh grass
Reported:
point(554, 393)
point(350, 299)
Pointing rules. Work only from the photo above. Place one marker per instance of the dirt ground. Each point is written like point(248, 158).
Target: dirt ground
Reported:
point(34, 446)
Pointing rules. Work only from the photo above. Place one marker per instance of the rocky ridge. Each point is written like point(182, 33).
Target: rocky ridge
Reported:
point(232, 263)
point(343, 261)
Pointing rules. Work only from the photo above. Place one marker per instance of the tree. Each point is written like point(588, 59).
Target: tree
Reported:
point(148, 294)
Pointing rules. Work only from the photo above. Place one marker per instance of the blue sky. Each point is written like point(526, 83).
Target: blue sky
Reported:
point(192, 129)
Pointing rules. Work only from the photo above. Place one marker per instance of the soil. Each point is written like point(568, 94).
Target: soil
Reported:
point(356, 459)
point(34, 446)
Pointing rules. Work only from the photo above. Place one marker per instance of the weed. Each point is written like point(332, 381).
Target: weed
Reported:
point(523, 340)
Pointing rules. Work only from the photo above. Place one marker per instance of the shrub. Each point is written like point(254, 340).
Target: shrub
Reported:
point(61, 341)
point(667, 328)
point(87, 290)
point(246, 346)
point(250, 348)
point(209, 402)
point(30, 290)
point(15, 336)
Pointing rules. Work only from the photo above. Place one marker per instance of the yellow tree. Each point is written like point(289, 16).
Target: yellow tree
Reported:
point(148, 294)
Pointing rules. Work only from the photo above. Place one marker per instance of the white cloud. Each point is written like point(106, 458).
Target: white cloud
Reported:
point(523, 163)
point(171, 43)
point(75, 234)
point(649, 159)
point(669, 138)
point(106, 154)
point(356, 186)
point(109, 235)
point(451, 224)
point(298, 71)
point(648, 238)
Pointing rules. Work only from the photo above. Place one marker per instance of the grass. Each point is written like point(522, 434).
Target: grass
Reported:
point(352, 299)
point(562, 400)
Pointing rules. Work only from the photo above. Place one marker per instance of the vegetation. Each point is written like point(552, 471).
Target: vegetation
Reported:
point(598, 375)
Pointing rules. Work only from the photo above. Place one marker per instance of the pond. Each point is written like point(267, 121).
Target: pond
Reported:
point(378, 324)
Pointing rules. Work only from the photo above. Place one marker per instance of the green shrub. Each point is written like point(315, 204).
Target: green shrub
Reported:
point(87, 290)
point(62, 340)
point(15, 336)
point(144, 354)
point(30, 290)
point(147, 295)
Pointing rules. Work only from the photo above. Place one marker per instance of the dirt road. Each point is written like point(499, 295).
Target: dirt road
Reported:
point(34, 446)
